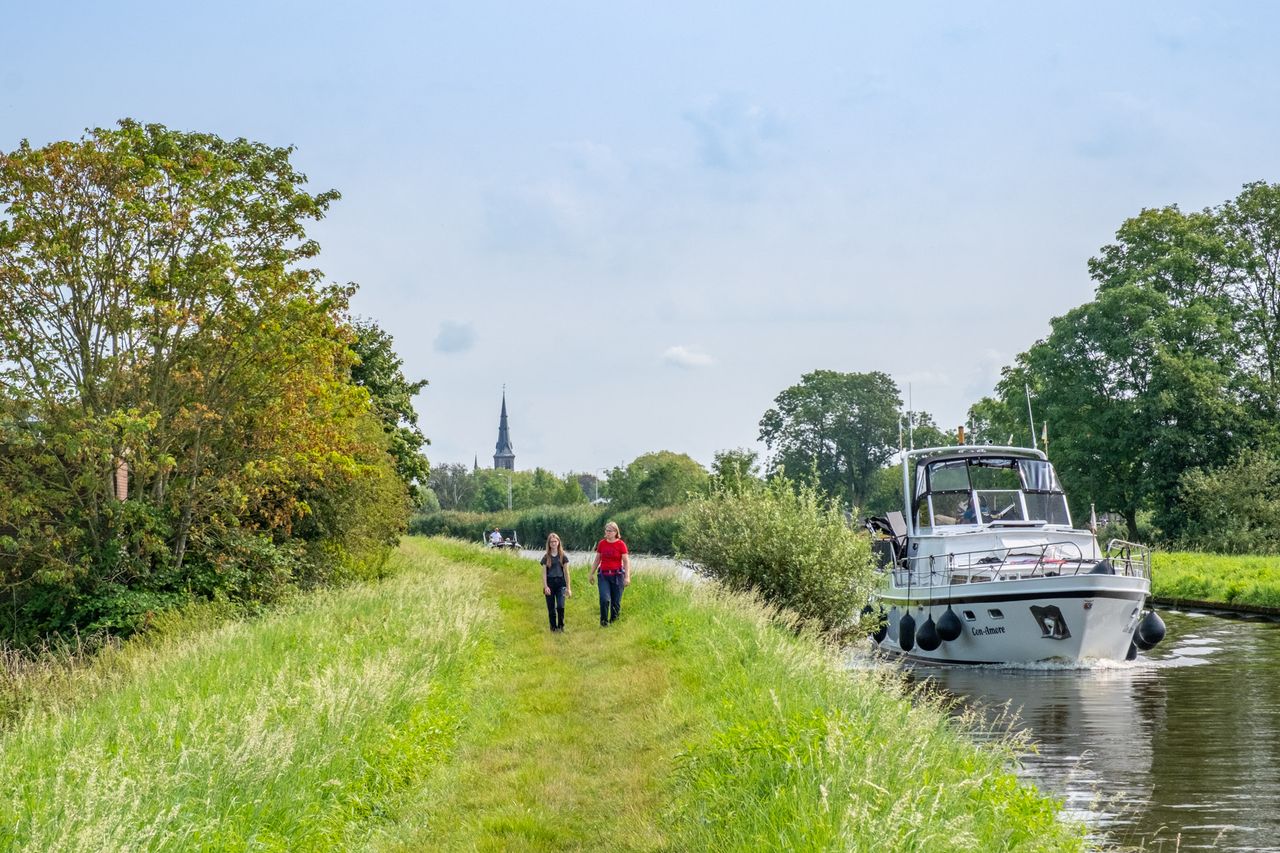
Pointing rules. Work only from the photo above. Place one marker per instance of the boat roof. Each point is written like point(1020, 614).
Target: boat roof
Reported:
point(974, 451)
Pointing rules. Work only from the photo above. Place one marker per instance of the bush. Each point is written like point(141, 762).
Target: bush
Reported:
point(1234, 509)
point(786, 543)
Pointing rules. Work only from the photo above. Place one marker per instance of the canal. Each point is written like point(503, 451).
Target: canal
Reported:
point(1179, 750)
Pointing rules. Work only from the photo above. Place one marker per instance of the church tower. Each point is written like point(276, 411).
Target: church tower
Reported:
point(504, 455)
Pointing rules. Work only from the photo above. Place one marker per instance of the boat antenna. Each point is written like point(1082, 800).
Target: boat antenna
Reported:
point(911, 419)
point(1027, 388)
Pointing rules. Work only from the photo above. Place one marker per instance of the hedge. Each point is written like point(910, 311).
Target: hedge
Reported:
point(646, 531)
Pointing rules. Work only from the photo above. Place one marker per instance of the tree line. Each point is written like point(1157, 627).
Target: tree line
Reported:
point(652, 480)
point(1163, 390)
point(187, 408)
point(1165, 387)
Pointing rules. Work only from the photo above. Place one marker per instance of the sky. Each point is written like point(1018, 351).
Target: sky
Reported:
point(646, 220)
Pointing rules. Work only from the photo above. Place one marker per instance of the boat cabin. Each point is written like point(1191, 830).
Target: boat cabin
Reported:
point(971, 487)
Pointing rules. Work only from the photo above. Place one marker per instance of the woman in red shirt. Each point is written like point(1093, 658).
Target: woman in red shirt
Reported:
point(614, 566)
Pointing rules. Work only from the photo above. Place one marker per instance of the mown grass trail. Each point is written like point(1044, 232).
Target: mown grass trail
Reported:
point(435, 711)
point(570, 745)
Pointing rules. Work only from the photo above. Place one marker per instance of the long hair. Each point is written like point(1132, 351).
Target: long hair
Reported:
point(546, 558)
point(615, 527)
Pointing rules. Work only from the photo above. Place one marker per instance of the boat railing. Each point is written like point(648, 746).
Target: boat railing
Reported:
point(1129, 558)
point(1051, 559)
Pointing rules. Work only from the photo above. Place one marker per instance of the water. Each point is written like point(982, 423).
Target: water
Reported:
point(1177, 750)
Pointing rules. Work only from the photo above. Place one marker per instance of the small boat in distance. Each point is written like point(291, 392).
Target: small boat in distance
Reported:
point(983, 566)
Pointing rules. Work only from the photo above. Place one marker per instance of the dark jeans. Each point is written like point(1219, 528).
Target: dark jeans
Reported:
point(610, 587)
point(555, 603)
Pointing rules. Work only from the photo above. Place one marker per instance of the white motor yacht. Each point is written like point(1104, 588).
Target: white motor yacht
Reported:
point(983, 566)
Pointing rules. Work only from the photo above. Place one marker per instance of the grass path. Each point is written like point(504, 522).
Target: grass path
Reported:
point(571, 742)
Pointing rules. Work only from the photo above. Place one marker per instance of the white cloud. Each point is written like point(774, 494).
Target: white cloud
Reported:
point(682, 356)
point(455, 337)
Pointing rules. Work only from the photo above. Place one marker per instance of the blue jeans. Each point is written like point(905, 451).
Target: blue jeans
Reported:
point(610, 587)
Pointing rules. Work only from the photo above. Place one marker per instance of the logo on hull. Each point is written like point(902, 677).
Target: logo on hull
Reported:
point(1053, 625)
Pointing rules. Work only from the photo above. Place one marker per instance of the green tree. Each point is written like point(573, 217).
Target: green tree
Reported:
point(1234, 508)
point(1172, 366)
point(454, 484)
point(162, 340)
point(380, 372)
point(925, 431)
point(656, 480)
point(735, 470)
point(992, 420)
point(1250, 228)
point(841, 426)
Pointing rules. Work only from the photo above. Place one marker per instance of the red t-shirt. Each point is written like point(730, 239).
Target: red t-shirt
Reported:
point(611, 555)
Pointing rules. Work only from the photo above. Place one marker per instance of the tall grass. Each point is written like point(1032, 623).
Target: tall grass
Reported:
point(292, 732)
point(790, 750)
point(1216, 578)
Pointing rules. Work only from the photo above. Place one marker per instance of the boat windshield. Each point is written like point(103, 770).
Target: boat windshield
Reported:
point(989, 489)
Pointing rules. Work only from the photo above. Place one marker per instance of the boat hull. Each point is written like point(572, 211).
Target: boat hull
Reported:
point(1061, 619)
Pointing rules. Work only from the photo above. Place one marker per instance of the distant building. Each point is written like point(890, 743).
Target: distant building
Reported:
point(504, 455)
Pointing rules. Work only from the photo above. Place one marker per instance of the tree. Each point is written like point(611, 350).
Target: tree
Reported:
point(840, 426)
point(1234, 508)
point(992, 420)
point(1171, 367)
point(1250, 228)
point(161, 334)
point(925, 432)
point(380, 372)
point(656, 480)
point(454, 485)
point(735, 470)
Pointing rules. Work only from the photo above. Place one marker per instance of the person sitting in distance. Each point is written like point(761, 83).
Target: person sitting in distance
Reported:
point(495, 538)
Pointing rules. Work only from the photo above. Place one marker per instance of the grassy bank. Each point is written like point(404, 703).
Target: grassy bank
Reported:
point(434, 710)
point(288, 732)
point(1229, 580)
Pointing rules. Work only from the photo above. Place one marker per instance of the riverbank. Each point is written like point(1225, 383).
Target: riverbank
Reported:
point(1227, 583)
point(434, 710)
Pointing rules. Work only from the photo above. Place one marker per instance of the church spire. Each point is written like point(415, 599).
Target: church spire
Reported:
point(504, 455)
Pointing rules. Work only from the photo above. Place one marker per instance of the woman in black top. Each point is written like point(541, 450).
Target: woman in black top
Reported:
point(555, 581)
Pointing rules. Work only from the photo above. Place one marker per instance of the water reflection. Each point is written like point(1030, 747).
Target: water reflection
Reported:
point(1179, 750)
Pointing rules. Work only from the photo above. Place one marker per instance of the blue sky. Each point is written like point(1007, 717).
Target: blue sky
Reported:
point(648, 219)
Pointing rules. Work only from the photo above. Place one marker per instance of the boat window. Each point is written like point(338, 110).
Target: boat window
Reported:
point(986, 477)
point(949, 476)
point(996, 613)
point(969, 615)
point(1038, 476)
point(1051, 508)
point(1001, 504)
point(951, 508)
